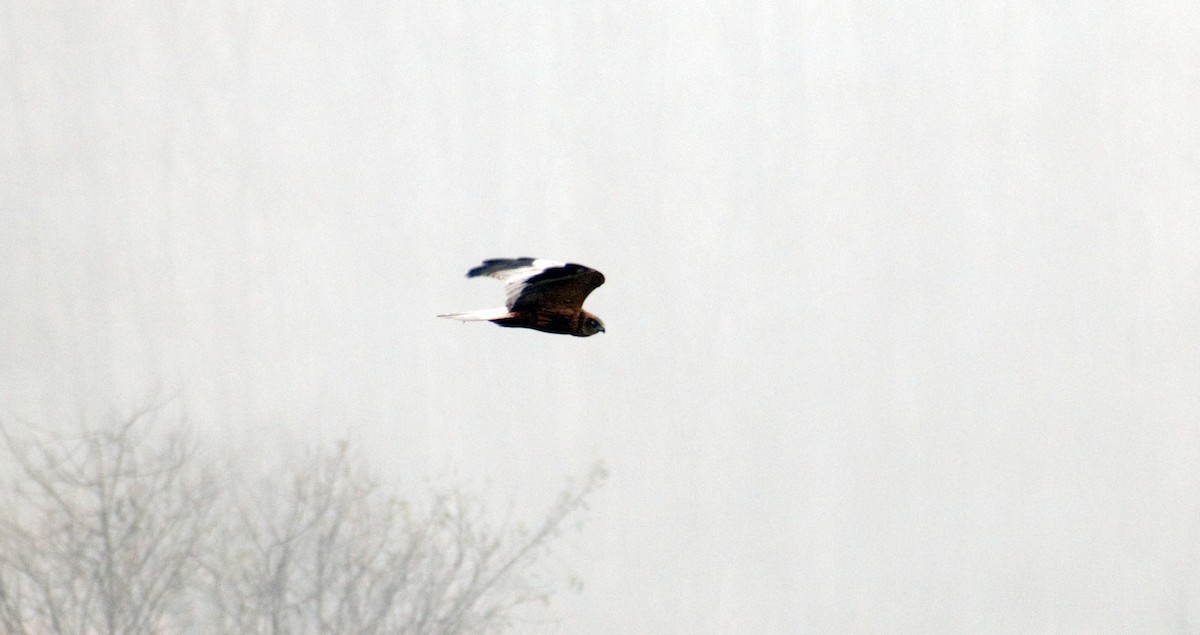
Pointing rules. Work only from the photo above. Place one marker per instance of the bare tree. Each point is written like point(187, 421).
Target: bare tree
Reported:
point(334, 553)
point(125, 530)
point(101, 532)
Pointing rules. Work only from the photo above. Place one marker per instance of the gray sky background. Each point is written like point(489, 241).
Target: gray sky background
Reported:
point(903, 302)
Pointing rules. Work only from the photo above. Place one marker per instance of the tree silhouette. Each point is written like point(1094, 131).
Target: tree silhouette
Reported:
point(125, 529)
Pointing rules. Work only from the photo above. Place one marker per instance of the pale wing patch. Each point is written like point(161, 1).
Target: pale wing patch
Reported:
point(514, 279)
point(520, 274)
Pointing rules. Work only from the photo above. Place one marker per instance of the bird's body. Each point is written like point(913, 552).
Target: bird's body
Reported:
point(542, 295)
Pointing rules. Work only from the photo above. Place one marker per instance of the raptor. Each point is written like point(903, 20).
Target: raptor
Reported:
point(541, 294)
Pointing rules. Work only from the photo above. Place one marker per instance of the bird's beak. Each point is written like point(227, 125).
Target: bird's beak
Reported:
point(602, 329)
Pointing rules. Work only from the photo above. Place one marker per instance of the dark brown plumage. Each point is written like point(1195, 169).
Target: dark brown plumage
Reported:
point(542, 295)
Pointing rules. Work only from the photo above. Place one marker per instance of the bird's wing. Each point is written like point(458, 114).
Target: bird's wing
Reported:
point(541, 284)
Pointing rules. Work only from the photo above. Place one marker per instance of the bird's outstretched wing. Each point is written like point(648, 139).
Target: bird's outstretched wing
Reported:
point(541, 285)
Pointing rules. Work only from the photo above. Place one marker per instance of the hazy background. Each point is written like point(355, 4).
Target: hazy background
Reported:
point(903, 303)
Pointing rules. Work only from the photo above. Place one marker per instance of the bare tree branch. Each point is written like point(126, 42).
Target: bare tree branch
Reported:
point(123, 529)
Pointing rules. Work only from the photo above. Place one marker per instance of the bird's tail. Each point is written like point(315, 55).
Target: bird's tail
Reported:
point(485, 315)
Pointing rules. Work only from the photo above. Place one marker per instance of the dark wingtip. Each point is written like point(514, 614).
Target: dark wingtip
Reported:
point(568, 270)
point(499, 264)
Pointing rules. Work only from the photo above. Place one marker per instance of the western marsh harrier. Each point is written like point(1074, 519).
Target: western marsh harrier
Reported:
point(543, 295)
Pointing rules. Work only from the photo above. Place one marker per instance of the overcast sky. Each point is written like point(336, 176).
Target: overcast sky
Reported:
point(903, 302)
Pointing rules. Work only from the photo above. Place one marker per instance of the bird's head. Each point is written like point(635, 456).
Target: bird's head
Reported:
point(591, 325)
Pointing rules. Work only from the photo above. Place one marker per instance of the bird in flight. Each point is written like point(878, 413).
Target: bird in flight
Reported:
point(542, 294)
